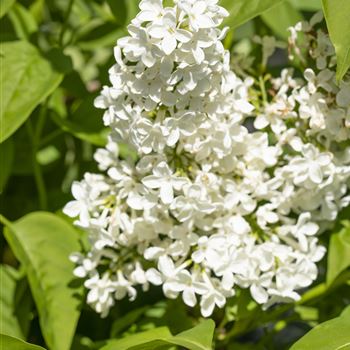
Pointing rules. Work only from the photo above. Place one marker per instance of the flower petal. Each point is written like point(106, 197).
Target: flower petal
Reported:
point(166, 193)
point(183, 36)
point(153, 276)
point(169, 44)
point(151, 181)
point(157, 31)
point(259, 294)
point(207, 305)
point(315, 173)
point(204, 21)
point(189, 297)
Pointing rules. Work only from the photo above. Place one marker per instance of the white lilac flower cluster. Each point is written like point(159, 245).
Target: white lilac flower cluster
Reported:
point(209, 206)
point(324, 105)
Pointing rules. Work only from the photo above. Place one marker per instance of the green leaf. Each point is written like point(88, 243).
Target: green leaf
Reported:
point(197, 338)
point(242, 10)
point(132, 9)
point(102, 36)
point(23, 164)
point(280, 17)
point(119, 10)
point(330, 335)
point(338, 23)
point(6, 162)
point(5, 6)
point(307, 313)
point(97, 138)
point(24, 303)
point(126, 321)
point(47, 155)
point(10, 343)
point(42, 242)
point(338, 253)
point(59, 61)
point(137, 339)
point(8, 319)
point(309, 5)
point(25, 82)
point(23, 22)
point(89, 129)
point(37, 10)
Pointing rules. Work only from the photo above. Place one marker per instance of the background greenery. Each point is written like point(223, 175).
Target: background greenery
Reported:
point(54, 58)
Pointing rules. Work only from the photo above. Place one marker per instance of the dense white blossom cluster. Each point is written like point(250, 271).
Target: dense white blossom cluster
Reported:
point(209, 205)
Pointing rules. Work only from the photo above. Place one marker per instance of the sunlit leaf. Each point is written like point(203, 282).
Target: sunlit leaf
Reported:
point(309, 5)
point(337, 17)
point(8, 319)
point(42, 242)
point(197, 338)
point(339, 253)
point(330, 335)
point(37, 10)
point(11, 343)
point(5, 6)
point(280, 17)
point(23, 22)
point(243, 10)
point(137, 339)
point(26, 80)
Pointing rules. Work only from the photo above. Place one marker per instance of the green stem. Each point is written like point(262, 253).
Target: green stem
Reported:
point(263, 89)
point(51, 137)
point(4, 221)
point(323, 289)
point(40, 124)
point(65, 23)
